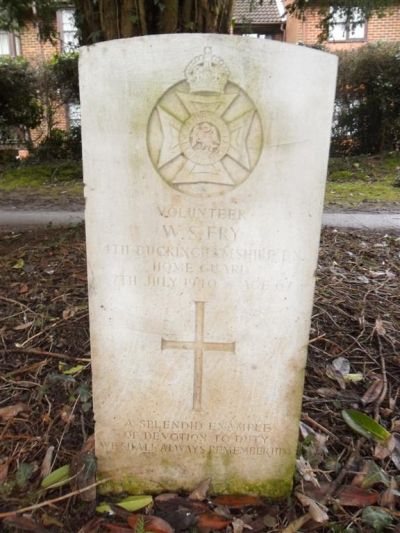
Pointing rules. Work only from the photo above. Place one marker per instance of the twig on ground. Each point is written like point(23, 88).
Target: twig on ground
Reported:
point(379, 401)
point(306, 418)
point(53, 500)
point(33, 351)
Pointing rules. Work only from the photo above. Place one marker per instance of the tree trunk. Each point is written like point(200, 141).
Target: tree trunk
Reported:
point(169, 17)
point(109, 19)
point(102, 20)
point(87, 21)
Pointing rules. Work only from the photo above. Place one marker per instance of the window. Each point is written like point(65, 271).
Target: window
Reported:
point(10, 44)
point(347, 25)
point(68, 30)
point(4, 44)
point(258, 35)
point(74, 115)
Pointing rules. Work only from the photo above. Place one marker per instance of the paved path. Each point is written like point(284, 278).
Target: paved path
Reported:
point(19, 219)
point(382, 221)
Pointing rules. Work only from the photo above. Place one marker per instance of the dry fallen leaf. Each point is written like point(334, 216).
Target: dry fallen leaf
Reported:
point(338, 369)
point(341, 365)
point(317, 493)
point(115, 528)
point(317, 511)
point(92, 526)
point(294, 526)
point(395, 455)
point(305, 470)
point(352, 496)
point(25, 523)
point(238, 525)
point(370, 475)
point(66, 414)
point(237, 502)
point(69, 312)
point(212, 520)
point(317, 449)
point(6, 413)
point(23, 288)
point(306, 430)
point(46, 464)
point(303, 498)
point(379, 327)
point(318, 514)
point(385, 449)
point(396, 426)
point(23, 326)
point(48, 520)
point(390, 496)
point(3, 472)
point(83, 470)
point(270, 521)
point(200, 492)
point(373, 392)
point(174, 508)
point(327, 392)
point(151, 523)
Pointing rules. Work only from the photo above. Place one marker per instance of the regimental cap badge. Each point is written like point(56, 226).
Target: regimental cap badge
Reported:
point(205, 134)
point(207, 73)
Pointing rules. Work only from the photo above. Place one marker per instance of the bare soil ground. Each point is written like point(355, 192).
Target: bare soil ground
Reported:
point(346, 480)
point(68, 197)
point(364, 207)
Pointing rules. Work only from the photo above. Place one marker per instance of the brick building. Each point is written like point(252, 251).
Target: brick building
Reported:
point(27, 44)
point(269, 20)
point(265, 21)
point(342, 36)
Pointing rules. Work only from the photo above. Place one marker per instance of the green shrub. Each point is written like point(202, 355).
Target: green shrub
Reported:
point(367, 118)
point(58, 86)
point(8, 156)
point(60, 144)
point(19, 103)
point(63, 69)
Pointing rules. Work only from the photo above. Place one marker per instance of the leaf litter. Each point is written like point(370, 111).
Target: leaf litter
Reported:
point(348, 476)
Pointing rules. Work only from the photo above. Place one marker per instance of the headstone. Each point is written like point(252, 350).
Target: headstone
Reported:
point(204, 160)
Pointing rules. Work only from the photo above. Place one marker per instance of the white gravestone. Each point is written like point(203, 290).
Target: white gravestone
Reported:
point(204, 159)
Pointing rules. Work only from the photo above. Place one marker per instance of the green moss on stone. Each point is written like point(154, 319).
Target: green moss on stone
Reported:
point(128, 484)
point(273, 489)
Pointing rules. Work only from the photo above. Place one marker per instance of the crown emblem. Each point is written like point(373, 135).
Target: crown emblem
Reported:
point(207, 73)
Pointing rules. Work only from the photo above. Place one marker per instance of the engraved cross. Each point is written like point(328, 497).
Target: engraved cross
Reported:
point(198, 346)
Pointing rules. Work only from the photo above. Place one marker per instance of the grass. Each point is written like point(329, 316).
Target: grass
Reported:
point(353, 182)
point(56, 184)
point(39, 174)
point(359, 180)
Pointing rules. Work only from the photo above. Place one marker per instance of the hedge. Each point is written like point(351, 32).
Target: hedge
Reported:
point(367, 115)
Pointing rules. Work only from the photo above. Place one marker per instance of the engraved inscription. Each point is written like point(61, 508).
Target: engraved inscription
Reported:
point(198, 346)
point(270, 256)
point(204, 134)
point(199, 438)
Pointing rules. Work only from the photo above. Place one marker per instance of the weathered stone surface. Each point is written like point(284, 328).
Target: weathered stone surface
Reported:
point(204, 162)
